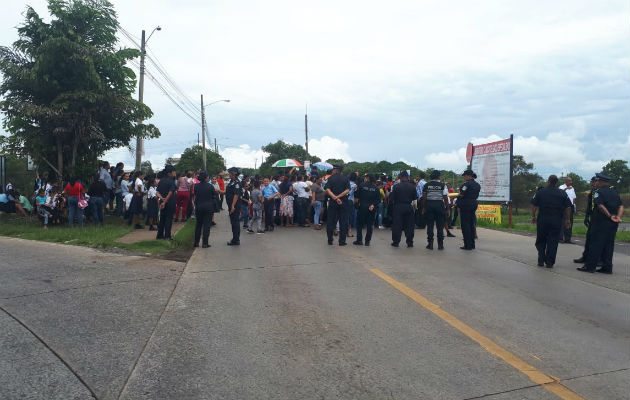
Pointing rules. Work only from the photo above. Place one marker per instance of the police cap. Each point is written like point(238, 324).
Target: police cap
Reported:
point(468, 172)
point(202, 176)
point(435, 174)
point(337, 167)
point(233, 170)
point(602, 177)
point(168, 169)
point(403, 174)
point(593, 179)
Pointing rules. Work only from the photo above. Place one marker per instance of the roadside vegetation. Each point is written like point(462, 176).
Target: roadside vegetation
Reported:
point(104, 237)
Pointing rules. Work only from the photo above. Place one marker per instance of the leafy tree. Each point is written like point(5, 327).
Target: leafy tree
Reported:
point(66, 88)
point(620, 173)
point(336, 161)
point(525, 182)
point(280, 150)
point(146, 167)
point(192, 160)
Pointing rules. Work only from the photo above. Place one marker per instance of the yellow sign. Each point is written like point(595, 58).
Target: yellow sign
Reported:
point(489, 211)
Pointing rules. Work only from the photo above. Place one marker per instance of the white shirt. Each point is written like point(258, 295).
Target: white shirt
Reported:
point(138, 185)
point(152, 192)
point(570, 192)
point(300, 189)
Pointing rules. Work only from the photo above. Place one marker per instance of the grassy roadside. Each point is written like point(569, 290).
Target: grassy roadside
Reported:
point(98, 237)
point(522, 223)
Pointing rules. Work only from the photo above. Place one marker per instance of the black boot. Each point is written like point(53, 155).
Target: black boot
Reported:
point(440, 245)
point(430, 245)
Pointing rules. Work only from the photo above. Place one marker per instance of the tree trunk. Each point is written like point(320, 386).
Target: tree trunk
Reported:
point(75, 146)
point(60, 158)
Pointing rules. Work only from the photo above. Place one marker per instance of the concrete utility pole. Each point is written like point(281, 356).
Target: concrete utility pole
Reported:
point(203, 132)
point(140, 99)
point(216, 148)
point(306, 131)
point(143, 48)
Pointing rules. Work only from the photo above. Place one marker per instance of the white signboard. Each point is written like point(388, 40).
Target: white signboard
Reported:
point(492, 164)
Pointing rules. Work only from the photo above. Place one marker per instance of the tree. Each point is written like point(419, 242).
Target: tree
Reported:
point(146, 167)
point(280, 150)
point(192, 160)
point(620, 173)
point(525, 182)
point(66, 88)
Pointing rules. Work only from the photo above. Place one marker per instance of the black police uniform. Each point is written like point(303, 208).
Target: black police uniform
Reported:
point(587, 221)
point(435, 211)
point(337, 184)
point(368, 194)
point(467, 204)
point(234, 188)
point(552, 204)
point(401, 197)
point(603, 231)
point(205, 203)
point(166, 185)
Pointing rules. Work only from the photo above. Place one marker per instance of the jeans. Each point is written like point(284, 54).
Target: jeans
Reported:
point(73, 209)
point(256, 219)
point(318, 210)
point(379, 214)
point(97, 209)
point(44, 213)
point(244, 214)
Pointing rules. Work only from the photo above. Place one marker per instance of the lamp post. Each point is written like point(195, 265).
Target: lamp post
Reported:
point(143, 47)
point(203, 124)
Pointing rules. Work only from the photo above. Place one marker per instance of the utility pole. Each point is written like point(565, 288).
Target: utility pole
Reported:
point(203, 132)
point(139, 149)
point(216, 148)
point(306, 130)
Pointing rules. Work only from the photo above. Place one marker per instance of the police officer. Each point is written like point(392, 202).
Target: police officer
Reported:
point(337, 188)
point(435, 208)
point(552, 203)
point(368, 197)
point(204, 199)
point(401, 197)
point(587, 220)
point(467, 205)
point(606, 218)
point(233, 192)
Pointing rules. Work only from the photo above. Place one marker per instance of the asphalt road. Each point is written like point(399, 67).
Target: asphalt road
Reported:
point(285, 316)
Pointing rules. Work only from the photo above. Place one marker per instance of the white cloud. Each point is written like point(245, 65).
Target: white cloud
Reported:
point(242, 156)
point(329, 147)
point(559, 151)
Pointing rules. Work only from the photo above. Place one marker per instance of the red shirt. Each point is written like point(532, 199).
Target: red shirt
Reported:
point(74, 190)
point(221, 183)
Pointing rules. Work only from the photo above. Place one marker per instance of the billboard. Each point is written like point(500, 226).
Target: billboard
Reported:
point(492, 162)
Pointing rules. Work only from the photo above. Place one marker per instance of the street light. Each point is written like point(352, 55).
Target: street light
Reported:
point(203, 124)
point(143, 48)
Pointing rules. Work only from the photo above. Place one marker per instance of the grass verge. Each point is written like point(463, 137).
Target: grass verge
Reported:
point(522, 223)
point(95, 236)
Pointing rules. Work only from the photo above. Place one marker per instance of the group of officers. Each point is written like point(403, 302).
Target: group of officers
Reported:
point(603, 215)
point(434, 205)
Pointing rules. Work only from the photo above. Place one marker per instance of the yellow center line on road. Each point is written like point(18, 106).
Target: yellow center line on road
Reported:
point(547, 382)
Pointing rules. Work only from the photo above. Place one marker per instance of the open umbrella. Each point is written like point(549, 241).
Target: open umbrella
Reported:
point(287, 162)
point(323, 165)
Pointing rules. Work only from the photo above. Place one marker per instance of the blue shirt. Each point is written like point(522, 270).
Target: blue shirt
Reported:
point(4, 198)
point(269, 191)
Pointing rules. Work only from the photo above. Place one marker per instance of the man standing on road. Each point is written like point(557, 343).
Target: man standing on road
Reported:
point(551, 203)
point(166, 189)
point(435, 207)
point(203, 198)
point(420, 221)
point(337, 188)
point(606, 218)
point(587, 220)
point(270, 193)
point(301, 204)
point(467, 204)
point(368, 197)
point(565, 233)
point(233, 192)
point(402, 195)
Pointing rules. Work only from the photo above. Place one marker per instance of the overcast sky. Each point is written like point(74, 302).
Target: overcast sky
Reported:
point(400, 80)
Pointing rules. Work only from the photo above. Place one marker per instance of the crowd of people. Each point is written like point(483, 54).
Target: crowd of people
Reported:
point(347, 204)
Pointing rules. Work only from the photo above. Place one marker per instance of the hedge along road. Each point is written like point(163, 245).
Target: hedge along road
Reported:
point(285, 316)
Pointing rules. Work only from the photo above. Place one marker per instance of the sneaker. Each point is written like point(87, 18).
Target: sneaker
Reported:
point(260, 233)
point(250, 231)
point(381, 227)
